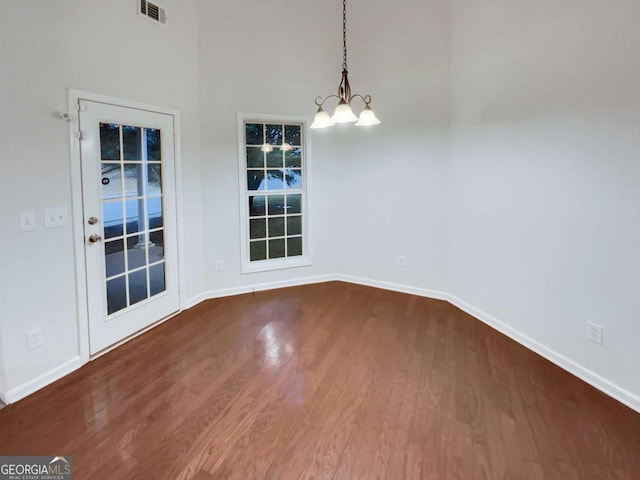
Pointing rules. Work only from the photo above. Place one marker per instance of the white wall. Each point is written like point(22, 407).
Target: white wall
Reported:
point(102, 47)
point(256, 57)
point(389, 182)
point(375, 193)
point(545, 176)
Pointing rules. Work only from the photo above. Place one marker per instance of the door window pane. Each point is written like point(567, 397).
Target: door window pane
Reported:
point(131, 177)
point(114, 257)
point(109, 141)
point(154, 212)
point(156, 279)
point(137, 286)
point(135, 215)
point(112, 219)
point(134, 183)
point(156, 249)
point(136, 252)
point(153, 144)
point(132, 143)
point(116, 295)
point(111, 180)
point(154, 179)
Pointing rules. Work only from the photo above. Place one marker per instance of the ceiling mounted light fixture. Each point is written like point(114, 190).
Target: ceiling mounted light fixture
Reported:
point(343, 112)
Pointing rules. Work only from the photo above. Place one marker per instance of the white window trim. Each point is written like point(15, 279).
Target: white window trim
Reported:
point(247, 266)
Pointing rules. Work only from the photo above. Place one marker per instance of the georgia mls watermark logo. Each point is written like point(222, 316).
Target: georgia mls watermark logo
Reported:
point(35, 468)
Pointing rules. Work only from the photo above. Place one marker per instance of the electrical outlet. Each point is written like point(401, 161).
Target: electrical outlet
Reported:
point(34, 338)
point(219, 266)
point(594, 332)
point(27, 221)
point(402, 261)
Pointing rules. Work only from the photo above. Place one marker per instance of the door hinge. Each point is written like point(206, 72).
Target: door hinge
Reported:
point(82, 105)
point(80, 135)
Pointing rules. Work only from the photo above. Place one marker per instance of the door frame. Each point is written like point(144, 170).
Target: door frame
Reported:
point(77, 213)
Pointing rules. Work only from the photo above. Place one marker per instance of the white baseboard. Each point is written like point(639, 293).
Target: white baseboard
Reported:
point(396, 287)
point(41, 381)
point(228, 292)
point(193, 301)
point(615, 391)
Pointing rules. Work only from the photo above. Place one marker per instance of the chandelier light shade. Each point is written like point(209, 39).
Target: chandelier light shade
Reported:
point(322, 119)
point(367, 117)
point(343, 112)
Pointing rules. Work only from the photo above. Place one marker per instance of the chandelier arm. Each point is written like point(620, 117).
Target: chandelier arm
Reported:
point(366, 99)
point(320, 101)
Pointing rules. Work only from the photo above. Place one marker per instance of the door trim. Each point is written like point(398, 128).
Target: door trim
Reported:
point(77, 215)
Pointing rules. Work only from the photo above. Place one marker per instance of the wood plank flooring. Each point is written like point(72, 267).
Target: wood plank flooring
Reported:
point(329, 381)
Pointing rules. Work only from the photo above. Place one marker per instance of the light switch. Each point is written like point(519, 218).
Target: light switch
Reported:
point(27, 221)
point(56, 217)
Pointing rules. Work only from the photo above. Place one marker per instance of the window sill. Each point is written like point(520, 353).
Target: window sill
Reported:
point(278, 264)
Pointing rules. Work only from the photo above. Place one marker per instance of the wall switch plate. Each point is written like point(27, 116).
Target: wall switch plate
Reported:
point(402, 261)
point(27, 221)
point(56, 217)
point(594, 332)
point(34, 338)
point(219, 266)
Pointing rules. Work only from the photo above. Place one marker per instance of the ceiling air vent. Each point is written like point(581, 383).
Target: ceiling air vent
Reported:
point(152, 12)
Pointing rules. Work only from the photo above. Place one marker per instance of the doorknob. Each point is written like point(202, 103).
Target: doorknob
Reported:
point(95, 238)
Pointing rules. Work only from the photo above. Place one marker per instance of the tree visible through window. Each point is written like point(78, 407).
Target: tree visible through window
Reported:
point(274, 169)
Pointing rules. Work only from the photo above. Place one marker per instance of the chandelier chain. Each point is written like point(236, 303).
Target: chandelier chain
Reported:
point(343, 112)
point(344, 34)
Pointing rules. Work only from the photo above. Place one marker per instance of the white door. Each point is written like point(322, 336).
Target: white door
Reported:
point(128, 183)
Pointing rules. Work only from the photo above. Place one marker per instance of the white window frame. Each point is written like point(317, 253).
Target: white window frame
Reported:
point(247, 266)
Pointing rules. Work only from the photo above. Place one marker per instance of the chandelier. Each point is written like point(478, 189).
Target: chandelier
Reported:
point(343, 112)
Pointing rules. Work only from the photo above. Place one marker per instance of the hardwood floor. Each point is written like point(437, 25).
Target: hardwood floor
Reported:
point(329, 381)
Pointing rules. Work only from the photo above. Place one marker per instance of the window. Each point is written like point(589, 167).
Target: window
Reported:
point(273, 178)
